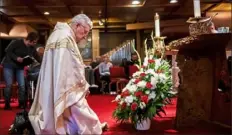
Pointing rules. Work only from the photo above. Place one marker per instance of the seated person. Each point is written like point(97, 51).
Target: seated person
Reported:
point(33, 72)
point(104, 70)
point(134, 59)
point(94, 64)
point(40, 51)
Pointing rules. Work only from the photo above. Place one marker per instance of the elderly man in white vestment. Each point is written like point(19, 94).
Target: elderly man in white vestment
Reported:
point(60, 105)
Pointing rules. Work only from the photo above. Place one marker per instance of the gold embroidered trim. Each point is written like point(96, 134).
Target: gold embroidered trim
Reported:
point(74, 88)
point(64, 43)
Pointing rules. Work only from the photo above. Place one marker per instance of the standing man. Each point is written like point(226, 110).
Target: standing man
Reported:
point(13, 63)
point(60, 105)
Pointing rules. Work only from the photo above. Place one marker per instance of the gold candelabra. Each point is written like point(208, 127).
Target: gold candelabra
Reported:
point(158, 47)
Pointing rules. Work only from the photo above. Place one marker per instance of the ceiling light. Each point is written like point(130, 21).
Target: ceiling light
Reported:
point(173, 1)
point(135, 2)
point(46, 13)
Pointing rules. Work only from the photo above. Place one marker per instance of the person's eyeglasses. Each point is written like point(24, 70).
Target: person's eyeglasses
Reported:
point(86, 30)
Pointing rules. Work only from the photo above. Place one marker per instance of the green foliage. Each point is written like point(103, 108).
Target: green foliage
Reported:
point(157, 97)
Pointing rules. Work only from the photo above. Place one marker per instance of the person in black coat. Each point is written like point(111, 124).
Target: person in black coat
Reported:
point(14, 62)
point(134, 59)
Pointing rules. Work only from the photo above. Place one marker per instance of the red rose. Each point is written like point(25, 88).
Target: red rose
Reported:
point(138, 93)
point(148, 85)
point(125, 93)
point(142, 74)
point(123, 105)
point(151, 61)
point(137, 81)
point(134, 106)
point(144, 99)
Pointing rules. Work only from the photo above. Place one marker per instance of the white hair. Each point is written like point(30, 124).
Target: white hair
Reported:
point(82, 19)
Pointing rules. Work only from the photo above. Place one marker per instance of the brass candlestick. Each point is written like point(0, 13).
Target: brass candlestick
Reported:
point(158, 47)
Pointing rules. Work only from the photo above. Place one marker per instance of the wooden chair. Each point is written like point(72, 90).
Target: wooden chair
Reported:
point(121, 82)
point(118, 76)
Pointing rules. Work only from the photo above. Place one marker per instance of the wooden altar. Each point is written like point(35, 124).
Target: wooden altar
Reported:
point(201, 59)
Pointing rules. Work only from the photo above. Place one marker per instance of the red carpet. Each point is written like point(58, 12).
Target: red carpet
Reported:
point(103, 106)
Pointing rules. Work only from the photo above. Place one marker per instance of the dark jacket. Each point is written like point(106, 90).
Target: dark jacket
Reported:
point(15, 49)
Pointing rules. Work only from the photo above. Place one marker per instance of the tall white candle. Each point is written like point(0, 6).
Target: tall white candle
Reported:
point(197, 8)
point(157, 25)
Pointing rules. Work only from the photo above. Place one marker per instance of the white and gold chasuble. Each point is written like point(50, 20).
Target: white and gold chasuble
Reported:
point(60, 106)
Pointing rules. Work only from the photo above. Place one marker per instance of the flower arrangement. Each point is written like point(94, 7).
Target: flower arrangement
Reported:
point(147, 92)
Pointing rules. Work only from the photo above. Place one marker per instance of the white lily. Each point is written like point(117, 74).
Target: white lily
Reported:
point(142, 84)
point(142, 105)
point(152, 95)
point(129, 99)
point(118, 97)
